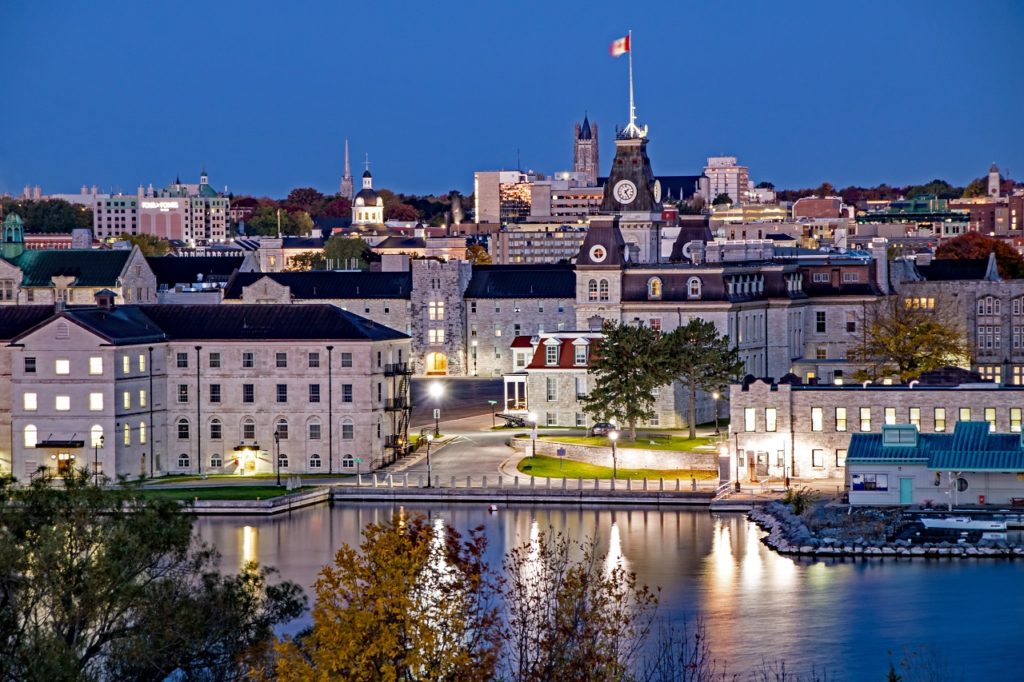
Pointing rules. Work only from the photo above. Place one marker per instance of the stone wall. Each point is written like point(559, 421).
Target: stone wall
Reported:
point(628, 458)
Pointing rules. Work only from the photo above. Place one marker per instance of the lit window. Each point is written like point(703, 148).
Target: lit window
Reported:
point(749, 423)
point(31, 436)
point(840, 419)
point(142, 363)
point(30, 402)
point(95, 365)
point(142, 397)
point(890, 415)
point(771, 419)
point(816, 418)
point(654, 288)
point(96, 402)
point(990, 417)
point(127, 435)
point(915, 417)
point(62, 403)
point(1014, 420)
point(940, 419)
point(96, 436)
point(62, 366)
point(865, 419)
point(142, 433)
point(965, 414)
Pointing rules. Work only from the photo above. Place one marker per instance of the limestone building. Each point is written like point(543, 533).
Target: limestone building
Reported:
point(367, 206)
point(585, 158)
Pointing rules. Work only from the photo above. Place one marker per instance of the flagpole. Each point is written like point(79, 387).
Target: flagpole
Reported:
point(632, 108)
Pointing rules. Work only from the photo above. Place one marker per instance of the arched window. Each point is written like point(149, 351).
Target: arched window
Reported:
point(127, 431)
point(95, 436)
point(603, 285)
point(348, 462)
point(592, 290)
point(142, 433)
point(348, 429)
point(248, 429)
point(281, 428)
point(693, 287)
point(183, 461)
point(31, 436)
point(314, 461)
point(216, 461)
point(216, 429)
point(654, 288)
point(314, 430)
point(282, 460)
point(183, 429)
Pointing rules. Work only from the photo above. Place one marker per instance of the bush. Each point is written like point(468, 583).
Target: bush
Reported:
point(799, 499)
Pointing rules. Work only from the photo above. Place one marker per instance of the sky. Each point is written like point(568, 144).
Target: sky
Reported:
point(263, 94)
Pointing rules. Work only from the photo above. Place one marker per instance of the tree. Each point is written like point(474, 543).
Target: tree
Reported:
point(572, 618)
point(305, 199)
point(906, 340)
point(765, 185)
point(264, 221)
point(476, 253)
point(99, 583)
point(415, 601)
point(309, 260)
point(47, 215)
point(938, 188)
point(403, 212)
point(337, 207)
point(340, 251)
point(627, 366)
point(702, 360)
point(976, 188)
point(1009, 262)
point(722, 199)
point(148, 244)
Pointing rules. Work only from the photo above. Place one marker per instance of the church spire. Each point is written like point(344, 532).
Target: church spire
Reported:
point(346, 189)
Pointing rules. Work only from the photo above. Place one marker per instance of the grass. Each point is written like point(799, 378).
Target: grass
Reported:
point(186, 478)
point(552, 467)
point(235, 492)
point(677, 443)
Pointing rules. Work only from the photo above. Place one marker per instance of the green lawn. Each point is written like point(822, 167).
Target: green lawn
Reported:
point(553, 467)
point(234, 492)
point(174, 478)
point(679, 443)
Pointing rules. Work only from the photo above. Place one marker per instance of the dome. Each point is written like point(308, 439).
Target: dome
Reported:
point(359, 201)
point(366, 173)
point(367, 197)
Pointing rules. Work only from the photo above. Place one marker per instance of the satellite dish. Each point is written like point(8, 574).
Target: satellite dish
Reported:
point(657, 191)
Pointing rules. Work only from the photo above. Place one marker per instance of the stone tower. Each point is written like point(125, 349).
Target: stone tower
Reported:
point(437, 317)
point(632, 193)
point(993, 181)
point(347, 189)
point(584, 150)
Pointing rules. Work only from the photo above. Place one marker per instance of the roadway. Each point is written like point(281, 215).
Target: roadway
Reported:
point(463, 397)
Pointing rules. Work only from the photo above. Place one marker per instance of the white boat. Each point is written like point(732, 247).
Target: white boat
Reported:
point(990, 529)
point(493, 508)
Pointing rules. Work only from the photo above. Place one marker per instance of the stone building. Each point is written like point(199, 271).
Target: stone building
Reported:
point(584, 151)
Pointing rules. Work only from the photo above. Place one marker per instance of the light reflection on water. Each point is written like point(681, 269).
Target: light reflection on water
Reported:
point(756, 604)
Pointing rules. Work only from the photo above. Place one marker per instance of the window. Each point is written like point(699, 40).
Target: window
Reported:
point(1014, 420)
point(517, 329)
point(348, 462)
point(216, 461)
point(497, 329)
point(851, 322)
point(990, 417)
point(282, 460)
point(126, 400)
point(142, 398)
point(142, 363)
point(819, 321)
point(817, 458)
point(95, 365)
point(314, 393)
point(890, 415)
point(346, 359)
point(840, 419)
point(248, 430)
point(551, 388)
point(62, 403)
point(551, 355)
point(183, 429)
point(30, 365)
point(580, 355)
point(62, 366)
point(214, 360)
point(314, 430)
point(314, 461)
point(915, 417)
point(436, 336)
point(248, 360)
point(820, 277)
point(182, 393)
point(126, 366)
point(435, 310)
point(654, 288)
point(281, 360)
point(965, 414)
point(96, 436)
point(313, 360)
point(603, 289)
point(216, 429)
point(347, 429)
point(346, 393)
point(31, 436)
point(95, 402)
point(840, 457)
point(870, 482)
point(127, 431)
point(248, 393)
point(820, 353)
point(281, 429)
point(693, 287)
point(214, 390)
point(182, 362)
point(749, 419)
point(655, 323)
point(592, 290)
point(771, 419)
point(30, 402)
point(183, 461)
point(865, 419)
point(816, 416)
point(940, 419)
point(282, 393)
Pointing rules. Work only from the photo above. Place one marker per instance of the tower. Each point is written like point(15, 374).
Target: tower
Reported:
point(367, 206)
point(13, 238)
point(584, 150)
point(346, 189)
point(993, 181)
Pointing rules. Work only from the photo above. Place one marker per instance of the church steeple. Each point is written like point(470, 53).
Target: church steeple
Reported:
point(584, 150)
point(347, 189)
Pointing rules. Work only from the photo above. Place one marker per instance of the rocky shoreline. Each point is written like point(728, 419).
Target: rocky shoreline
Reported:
point(789, 535)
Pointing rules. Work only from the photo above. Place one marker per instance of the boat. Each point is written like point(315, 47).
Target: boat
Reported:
point(493, 508)
point(990, 529)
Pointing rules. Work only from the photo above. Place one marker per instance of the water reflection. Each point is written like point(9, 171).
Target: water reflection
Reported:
point(755, 603)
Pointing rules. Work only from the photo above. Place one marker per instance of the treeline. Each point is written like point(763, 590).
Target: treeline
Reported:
point(853, 194)
point(47, 215)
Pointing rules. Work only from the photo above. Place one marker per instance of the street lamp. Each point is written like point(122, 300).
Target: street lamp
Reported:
point(277, 455)
point(613, 436)
point(532, 418)
point(96, 445)
point(430, 439)
point(716, 395)
point(436, 390)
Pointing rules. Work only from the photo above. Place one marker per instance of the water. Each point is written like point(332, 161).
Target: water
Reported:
point(842, 615)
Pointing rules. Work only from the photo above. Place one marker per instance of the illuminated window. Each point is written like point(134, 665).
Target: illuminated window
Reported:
point(96, 402)
point(96, 436)
point(62, 403)
point(940, 419)
point(142, 433)
point(31, 436)
point(1015, 420)
point(965, 414)
point(865, 419)
point(95, 365)
point(62, 366)
point(840, 419)
point(771, 419)
point(749, 419)
point(816, 418)
point(990, 417)
point(30, 402)
point(890, 415)
point(654, 288)
point(915, 417)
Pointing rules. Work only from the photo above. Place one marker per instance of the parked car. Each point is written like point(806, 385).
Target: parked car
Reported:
point(602, 428)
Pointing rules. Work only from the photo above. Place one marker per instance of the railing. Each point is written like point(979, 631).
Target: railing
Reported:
point(393, 404)
point(397, 368)
point(703, 488)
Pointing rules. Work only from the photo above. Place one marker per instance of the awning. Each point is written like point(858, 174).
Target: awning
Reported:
point(61, 444)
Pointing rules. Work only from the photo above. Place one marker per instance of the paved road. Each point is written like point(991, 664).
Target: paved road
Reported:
point(463, 397)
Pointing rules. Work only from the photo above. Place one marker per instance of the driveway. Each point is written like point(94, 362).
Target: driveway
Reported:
point(462, 397)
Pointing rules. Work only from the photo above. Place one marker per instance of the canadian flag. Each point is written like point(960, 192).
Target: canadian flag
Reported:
point(619, 47)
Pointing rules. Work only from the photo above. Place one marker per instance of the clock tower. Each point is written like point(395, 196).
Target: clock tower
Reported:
point(632, 193)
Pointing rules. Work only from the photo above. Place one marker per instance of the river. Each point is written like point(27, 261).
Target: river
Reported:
point(842, 615)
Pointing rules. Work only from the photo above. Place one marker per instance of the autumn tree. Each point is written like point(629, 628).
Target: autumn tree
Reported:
point(976, 188)
point(627, 366)
point(702, 360)
point(403, 212)
point(903, 339)
point(414, 602)
point(971, 245)
point(308, 260)
point(337, 207)
point(476, 253)
point(305, 199)
point(571, 615)
point(149, 245)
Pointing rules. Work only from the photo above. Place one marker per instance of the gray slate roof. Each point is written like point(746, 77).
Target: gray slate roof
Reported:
point(522, 281)
point(326, 284)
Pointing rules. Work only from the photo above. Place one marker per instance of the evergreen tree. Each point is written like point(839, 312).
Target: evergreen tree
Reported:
point(701, 360)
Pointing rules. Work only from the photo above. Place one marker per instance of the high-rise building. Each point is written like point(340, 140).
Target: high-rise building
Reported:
point(584, 151)
point(726, 177)
point(346, 189)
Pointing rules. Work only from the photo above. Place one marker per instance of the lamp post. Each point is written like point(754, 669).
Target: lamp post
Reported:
point(96, 445)
point(430, 471)
point(277, 455)
point(613, 436)
point(532, 418)
point(716, 395)
point(492, 403)
point(436, 390)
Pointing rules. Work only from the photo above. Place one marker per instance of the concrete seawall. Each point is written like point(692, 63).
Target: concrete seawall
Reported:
point(523, 495)
point(268, 507)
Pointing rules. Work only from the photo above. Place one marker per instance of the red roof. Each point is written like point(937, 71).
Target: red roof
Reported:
point(566, 355)
point(522, 342)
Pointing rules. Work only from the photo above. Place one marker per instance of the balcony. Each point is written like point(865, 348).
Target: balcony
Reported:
point(397, 369)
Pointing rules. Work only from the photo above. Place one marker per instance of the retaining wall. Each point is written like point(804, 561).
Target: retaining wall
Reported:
point(628, 458)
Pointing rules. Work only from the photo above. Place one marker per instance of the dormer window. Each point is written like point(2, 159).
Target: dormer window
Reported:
point(654, 288)
point(580, 353)
point(693, 287)
point(551, 354)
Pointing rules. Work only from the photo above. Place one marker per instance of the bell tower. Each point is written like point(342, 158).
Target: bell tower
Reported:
point(14, 237)
point(584, 150)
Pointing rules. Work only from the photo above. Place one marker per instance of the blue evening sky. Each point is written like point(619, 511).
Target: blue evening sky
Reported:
point(263, 93)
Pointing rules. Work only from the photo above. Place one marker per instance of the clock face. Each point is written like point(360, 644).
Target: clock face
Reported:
point(597, 253)
point(624, 192)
